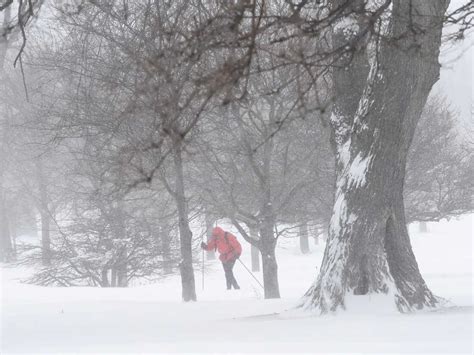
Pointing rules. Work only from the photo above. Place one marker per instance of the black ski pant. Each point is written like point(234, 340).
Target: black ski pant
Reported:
point(229, 275)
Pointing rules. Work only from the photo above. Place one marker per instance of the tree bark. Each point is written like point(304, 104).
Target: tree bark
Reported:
point(255, 254)
point(269, 264)
point(122, 277)
point(379, 95)
point(185, 235)
point(113, 277)
point(304, 241)
point(105, 278)
point(271, 288)
point(267, 227)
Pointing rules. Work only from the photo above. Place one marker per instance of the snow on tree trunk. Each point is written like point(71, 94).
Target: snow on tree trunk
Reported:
point(185, 235)
point(379, 95)
point(304, 241)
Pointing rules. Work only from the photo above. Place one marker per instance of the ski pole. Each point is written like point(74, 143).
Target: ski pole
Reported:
point(250, 272)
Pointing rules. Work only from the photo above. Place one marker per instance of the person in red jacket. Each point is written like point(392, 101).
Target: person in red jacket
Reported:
point(229, 249)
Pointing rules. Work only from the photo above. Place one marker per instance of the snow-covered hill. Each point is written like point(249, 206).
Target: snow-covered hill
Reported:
point(153, 319)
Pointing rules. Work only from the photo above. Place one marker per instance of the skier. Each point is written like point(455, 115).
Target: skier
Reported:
point(229, 249)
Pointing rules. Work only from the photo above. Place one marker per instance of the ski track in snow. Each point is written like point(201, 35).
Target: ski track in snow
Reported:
point(152, 319)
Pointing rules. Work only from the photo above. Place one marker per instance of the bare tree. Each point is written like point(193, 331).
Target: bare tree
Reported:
point(440, 165)
point(379, 94)
point(261, 162)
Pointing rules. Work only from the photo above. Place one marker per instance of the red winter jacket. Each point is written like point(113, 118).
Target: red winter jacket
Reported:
point(226, 243)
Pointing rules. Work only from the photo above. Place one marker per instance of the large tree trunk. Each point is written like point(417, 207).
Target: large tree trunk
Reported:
point(185, 235)
point(380, 93)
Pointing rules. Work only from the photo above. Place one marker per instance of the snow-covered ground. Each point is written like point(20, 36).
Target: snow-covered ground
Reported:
point(153, 319)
